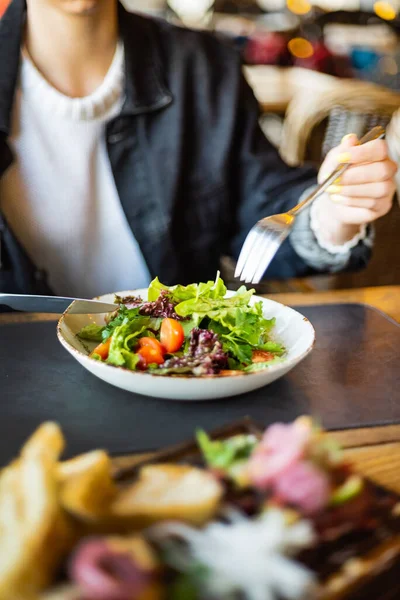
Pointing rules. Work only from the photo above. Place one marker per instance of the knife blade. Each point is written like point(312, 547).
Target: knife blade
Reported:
point(54, 304)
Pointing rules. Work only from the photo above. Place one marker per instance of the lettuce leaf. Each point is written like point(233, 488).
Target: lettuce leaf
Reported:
point(274, 347)
point(123, 317)
point(223, 454)
point(243, 330)
point(154, 290)
point(188, 326)
point(194, 291)
point(208, 305)
point(131, 360)
point(120, 354)
point(126, 316)
point(233, 345)
point(92, 333)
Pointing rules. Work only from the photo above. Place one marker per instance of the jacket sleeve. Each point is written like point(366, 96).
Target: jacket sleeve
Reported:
point(393, 140)
point(264, 184)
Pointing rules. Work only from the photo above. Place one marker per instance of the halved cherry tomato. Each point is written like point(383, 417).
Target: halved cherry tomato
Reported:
point(103, 349)
point(260, 356)
point(150, 356)
point(152, 343)
point(172, 335)
point(230, 373)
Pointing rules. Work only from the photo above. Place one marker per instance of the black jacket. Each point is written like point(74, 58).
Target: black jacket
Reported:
point(193, 170)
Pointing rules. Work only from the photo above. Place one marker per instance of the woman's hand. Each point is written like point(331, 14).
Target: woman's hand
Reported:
point(363, 194)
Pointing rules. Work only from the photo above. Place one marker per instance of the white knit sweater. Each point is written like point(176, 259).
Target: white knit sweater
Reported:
point(59, 197)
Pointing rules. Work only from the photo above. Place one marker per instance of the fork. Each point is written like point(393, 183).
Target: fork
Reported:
point(266, 237)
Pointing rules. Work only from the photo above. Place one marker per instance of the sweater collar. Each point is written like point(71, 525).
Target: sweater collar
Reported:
point(145, 88)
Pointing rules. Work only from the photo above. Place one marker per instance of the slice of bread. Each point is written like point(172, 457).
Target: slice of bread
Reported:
point(169, 492)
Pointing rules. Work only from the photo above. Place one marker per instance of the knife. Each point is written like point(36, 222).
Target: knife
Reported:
point(55, 304)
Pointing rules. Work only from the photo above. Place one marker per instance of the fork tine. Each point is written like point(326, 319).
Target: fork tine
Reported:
point(254, 258)
point(266, 259)
point(276, 240)
point(245, 252)
point(264, 264)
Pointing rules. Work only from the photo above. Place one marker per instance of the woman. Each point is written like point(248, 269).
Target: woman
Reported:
point(131, 148)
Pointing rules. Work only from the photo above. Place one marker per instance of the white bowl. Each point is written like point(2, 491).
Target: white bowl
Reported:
point(292, 329)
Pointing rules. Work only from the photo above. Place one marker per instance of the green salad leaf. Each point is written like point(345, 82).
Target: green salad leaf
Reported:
point(131, 316)
point(156, 287)
point(224, 454)
point(351, 488)
point(194, 291)
point(239, 350)
point(92, 333)
point(188, 325)
point(120, 355)
point(242, 330)
point(123, 317)
point(273, 347)
point(210, 305)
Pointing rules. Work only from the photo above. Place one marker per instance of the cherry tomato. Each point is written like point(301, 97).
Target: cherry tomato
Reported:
point(150, 356)
point(230, 373)
point(172, 335)
point(103, 349)
point(260, 356)
point(152, 343)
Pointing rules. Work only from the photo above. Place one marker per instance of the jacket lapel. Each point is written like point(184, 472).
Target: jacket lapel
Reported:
point(145, 88)
point(11, 26)
point(146, 92)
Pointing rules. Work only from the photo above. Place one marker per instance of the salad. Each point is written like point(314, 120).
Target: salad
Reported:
point(193, 330)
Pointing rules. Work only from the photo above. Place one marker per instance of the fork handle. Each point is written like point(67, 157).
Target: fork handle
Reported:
point(376, 133)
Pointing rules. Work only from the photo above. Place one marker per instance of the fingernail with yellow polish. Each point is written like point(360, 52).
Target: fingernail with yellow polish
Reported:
point(345, 157)
point(348, 137)
point(334, 189)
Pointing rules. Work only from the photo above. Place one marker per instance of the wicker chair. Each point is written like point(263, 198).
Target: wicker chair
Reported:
point(316, 122)
point(317, 119)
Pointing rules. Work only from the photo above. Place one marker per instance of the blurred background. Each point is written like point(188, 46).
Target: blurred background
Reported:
point(320, 69)
point(345, 38)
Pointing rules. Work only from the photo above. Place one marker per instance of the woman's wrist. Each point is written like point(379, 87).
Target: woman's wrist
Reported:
point(333, 235)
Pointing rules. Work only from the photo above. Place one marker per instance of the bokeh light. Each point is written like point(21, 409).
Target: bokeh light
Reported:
point(300, 48)
point(385, 10)
point(3, 6)
point(299, 7)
